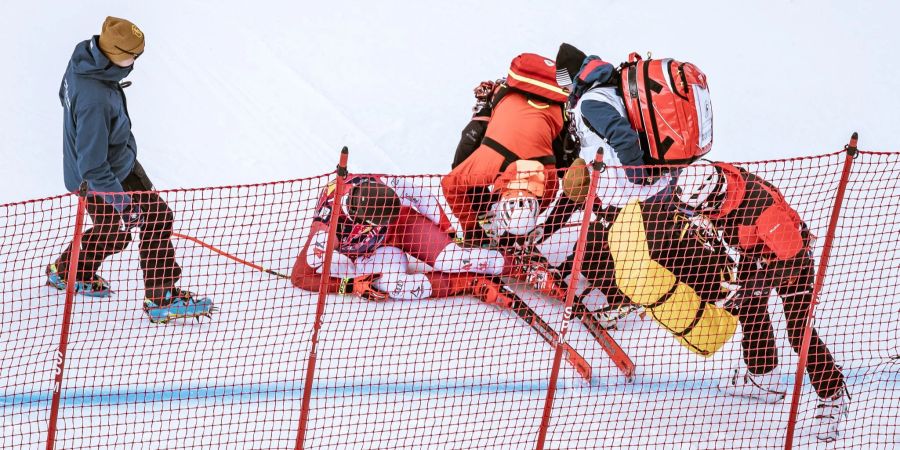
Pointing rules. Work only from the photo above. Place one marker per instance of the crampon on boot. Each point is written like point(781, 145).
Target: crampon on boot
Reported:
point(176, 304)
point(95, 287)
point(830, 412)
point(766, 388)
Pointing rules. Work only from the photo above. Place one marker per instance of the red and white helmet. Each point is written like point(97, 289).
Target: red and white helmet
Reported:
point(701, 186)
point(517, 213)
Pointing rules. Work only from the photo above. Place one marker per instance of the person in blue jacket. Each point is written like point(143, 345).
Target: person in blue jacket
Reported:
point(600, 122)
point(99, 149)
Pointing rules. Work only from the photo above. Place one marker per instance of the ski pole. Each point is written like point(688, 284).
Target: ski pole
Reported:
point(230, 256)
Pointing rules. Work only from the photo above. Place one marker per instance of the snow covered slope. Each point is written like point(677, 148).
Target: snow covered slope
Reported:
point(236, 92)
point(241, 92)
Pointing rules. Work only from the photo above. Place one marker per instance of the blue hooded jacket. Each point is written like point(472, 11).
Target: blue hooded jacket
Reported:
point(602, 117)
point(98, 146)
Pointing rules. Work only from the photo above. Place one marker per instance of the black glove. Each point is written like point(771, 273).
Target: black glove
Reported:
point(132, 217)
point(571, 144)
point(483, 93)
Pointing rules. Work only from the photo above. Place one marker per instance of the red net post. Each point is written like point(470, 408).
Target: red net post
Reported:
point(60, 356)
point(857, 312)
point(851, 154)
point(341, 176)
point(570, 299)
point(31, 317)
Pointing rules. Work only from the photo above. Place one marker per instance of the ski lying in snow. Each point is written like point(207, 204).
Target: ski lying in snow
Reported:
point(501, 295)
point(556, 288)
point(602, 336)
point(550, 335)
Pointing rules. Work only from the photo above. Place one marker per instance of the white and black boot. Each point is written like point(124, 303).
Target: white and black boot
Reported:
point(830, 412)
point(766, 388)
point(609, 316)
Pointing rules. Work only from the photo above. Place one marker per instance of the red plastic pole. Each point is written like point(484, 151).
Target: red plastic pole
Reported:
point(67, 316)
point(598, 167)
point(341, 176)
point(817, 288)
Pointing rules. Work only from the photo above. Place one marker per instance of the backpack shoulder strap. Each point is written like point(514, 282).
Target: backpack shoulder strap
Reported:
point(499, 94)
point(509, 157)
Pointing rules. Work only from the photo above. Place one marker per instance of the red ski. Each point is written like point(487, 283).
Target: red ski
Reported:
point(493, 291)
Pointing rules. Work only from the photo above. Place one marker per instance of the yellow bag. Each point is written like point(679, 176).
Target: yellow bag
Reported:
point(700, 326)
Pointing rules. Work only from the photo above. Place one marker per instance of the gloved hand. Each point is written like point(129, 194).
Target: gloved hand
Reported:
point(484, 90)
point(546, 280)
point(483, 93)
point(535, 236)
point(749, 285)
point(572, 140)
point(132, 217)
point(577, 181)
point(732, 300)
point(363, 287)
point(523, 247)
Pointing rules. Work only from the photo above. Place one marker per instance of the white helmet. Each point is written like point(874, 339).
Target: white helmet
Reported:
point(517, 214)
point(700, 186)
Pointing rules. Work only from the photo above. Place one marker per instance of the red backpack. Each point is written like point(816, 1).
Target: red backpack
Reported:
point(667, 102)
point(536, 75)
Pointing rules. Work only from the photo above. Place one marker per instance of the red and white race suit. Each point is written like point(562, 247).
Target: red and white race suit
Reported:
point(420, 230)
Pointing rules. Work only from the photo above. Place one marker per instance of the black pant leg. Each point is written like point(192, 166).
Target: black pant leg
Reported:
point(796, 295)
point(161, 271)
point(758, 341)
point(103, 239)
point(157, 253)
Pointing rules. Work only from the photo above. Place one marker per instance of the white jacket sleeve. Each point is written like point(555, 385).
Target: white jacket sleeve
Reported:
point(417, 194)
point(613, 188)
point(341, 265)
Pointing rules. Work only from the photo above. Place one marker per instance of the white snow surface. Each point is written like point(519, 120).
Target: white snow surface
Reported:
point(236, 92)
point(244, 92)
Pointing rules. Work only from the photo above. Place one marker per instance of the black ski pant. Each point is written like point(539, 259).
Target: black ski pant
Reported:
point(106, 237)
point(794, 284)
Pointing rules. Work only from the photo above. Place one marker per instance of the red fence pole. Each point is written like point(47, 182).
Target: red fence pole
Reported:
point(67, 316)
point(570, 296)
point(851, 152)
point(341, 175)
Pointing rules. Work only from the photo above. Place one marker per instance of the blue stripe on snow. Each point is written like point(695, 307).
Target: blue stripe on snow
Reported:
point(186, 392)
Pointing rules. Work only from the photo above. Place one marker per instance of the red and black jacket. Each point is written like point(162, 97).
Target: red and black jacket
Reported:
point(756, 219)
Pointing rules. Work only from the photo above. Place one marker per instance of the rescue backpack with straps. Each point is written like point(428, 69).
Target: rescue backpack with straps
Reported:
point(667, 103)
point(533, 74)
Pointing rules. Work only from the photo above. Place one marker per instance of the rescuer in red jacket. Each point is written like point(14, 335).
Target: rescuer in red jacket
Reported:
point(773, 243)
point(526, 118)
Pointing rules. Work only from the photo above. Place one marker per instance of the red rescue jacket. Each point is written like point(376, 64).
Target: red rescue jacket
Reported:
point(521, 127)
